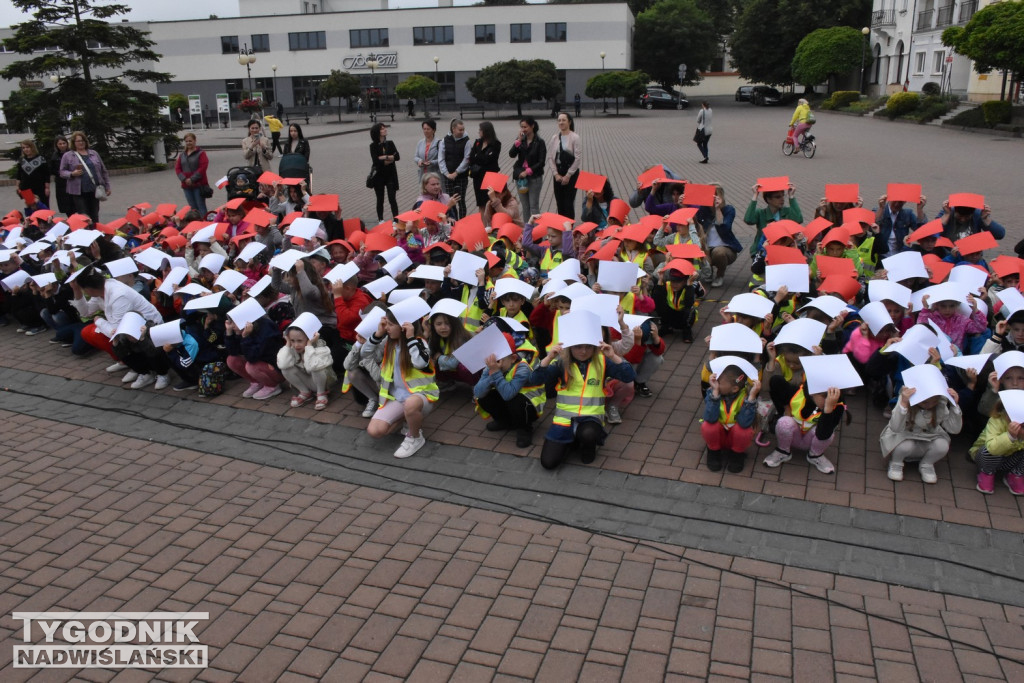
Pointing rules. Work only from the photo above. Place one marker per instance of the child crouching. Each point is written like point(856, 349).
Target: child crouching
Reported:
point(306, 362)
point(729, 412)
point(505, 394)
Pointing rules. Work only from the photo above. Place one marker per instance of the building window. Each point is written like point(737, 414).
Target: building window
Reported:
point(919, 63)
point(306, 90)
point(260, 42)
point(484, 33)
point(94, 45)
point(937, 59)
point(520, 33)
point(368, 37)
point(228, 45)
point(433, 35)
point(554, 32)
point(308, 40)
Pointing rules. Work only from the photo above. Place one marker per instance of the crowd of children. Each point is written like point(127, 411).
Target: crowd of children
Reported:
point(558, 317)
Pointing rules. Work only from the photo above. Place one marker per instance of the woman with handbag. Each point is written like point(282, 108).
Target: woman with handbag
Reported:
point(88, 180)
point(383, 174)
point(703, 133)
point(529, 151)
point(190, 168)
point(565, 158)
point(483, 157)
point(256, 146)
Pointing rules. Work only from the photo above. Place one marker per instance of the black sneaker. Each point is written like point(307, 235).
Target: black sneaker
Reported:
point(714, 460)
point(524, 437)
point(184, 385)
point(736, 462)
point(643, 389)
point(55, 341)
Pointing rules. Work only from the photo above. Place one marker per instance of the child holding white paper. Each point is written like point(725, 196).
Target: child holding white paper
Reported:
point(1000, 448)
point(945, 313)
point(921, 433)
point(252, 354)
point(580, 371)
point(729, 412)
point(808, 422)
point(445, 334)
point(305, 361)
point(407, 390)
point(505, 394)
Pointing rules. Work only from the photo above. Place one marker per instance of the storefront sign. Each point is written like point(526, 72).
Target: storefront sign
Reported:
point(385, 60)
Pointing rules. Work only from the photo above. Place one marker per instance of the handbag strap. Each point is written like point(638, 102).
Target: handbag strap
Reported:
point(86, 167)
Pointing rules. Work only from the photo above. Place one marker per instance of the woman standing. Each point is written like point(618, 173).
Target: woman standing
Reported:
point(34, 172)
point(565, 158)
point(529, 151)
point(384, 154)
point(703, 129)
point(64, 203)
point(296, 144)
point(191, 171)
point(256, 146)
point(426, 150)
point(483, 157)
point(84, 171)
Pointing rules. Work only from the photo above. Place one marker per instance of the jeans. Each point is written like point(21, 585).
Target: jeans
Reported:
point(703, 146)
point(530, 202)
point(194, 197)
point(72, 334)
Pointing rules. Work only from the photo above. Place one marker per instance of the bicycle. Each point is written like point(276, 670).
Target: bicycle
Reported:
point(807, 145)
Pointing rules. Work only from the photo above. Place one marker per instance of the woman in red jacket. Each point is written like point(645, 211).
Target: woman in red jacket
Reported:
point(191, 169)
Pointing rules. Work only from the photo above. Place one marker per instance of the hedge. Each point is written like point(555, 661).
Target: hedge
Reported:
point(996, 112)
point(901, 103)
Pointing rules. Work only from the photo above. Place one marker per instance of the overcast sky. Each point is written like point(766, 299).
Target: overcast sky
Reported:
point(164, 10)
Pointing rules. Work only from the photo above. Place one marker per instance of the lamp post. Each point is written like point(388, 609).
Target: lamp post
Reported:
point(372, 63)
point(246, 58)
point(273, 67)
point(438, 81)
point(863, 55)
point(604, 100)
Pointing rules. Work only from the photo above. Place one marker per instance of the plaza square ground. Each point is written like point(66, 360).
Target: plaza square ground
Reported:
point(319, 555)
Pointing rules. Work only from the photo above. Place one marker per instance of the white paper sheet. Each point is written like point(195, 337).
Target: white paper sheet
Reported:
point(576, 291)
point(151, 258)
point(410, 310)
point(397, 295)
point(795, 276)
point(212, 262)
point(59, 229)
point(435, 273)
point(342, 273)
point(44, 279)
point(879, 290)
point(1013, 404)
point(450, 307)
point(122, 266)
point(903, 266)
point(1013, 301)
point(82, 238)
point(875, 315)
point(131, 325)
point(193, 289)
point(286, 260)
point(975, 362)
point(304, 228)
point(602, 305)
point(1007, 360)
point(16, 279)
point(579, 327)
point(250, 251)
point(505, 285)
point(230, 280)
point(634, 321)
point(204, 234)
point(825, 372)
point(928, 381)
point(803, 332)
point(166, 333)
point(943, 342)
point(735, 337)
point(618, 276)
point(204, 303)
point(829, 305)
point(381, 286)
point(971, 278)
point(568, 269)
point(368, 325)
point(719, 364)
point(260, 285)
point(552, 287)
point(398, 264)
point(464, 266)
point(490, 341)
point(754, 305)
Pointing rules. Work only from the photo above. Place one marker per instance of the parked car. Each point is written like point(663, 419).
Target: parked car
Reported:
point(662, 99)
point(765, 95)
point(743, 93)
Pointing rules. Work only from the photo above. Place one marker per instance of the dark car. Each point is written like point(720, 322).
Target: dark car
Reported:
point(743, 93)
point(765, 95)
point(661, 99)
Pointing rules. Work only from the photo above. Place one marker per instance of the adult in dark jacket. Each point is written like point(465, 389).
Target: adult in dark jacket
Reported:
point(483, 157)
point(34, 172)
point(190, 167)
point(65, 204)
point(384, 154)
point(895, 222)
point(529, 151)
point(297, 144)
point(453, 161)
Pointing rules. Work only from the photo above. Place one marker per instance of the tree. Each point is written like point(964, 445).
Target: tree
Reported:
point(340, 84)
point(516, 81)
point(628, 84)
point(826, 53)
point(670, 33)
point(635, 6)
point(769, 31)
point(993, 38)
point(418, 88)
point(72, 40)
point(723, 14)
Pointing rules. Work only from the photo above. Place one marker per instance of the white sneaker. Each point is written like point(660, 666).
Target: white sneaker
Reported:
point(896, 471)
point(162, 382)
point(143, 381)
point(370, 409)
point(823, 464)
point(717, 282)
point(612, 415)
point(130, 376)
point(410, 446)
point(928, 474)
point(776, 458)
point(117, 367)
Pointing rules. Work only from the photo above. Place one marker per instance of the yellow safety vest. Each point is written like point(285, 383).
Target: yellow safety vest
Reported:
point(796, 406)
point(581, 396)
point(550, 260)
point(639, 259)
point(727, 418)
point(471, 318)
point(628, 303)
point(535, 395)
point(670, 296)
point(867, 260)
point(418, 381)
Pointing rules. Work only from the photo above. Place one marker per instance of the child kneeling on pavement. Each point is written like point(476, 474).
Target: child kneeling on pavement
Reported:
point(505, 394)
point(729, 412)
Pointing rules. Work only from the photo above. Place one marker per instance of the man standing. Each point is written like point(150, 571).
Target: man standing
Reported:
point(453, 160)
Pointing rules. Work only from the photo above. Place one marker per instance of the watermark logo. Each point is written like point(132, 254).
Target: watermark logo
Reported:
point(110, 640)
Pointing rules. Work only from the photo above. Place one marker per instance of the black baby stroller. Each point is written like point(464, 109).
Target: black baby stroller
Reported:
point(295, 166)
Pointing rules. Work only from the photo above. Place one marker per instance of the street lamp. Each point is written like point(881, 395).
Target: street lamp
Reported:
point(863, 54)
point(273, 67)
point(246, 58)
point(438, 81)
point(372, 63)
point(604, 100)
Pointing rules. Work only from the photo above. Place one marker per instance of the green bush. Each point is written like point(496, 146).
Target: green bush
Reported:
point(931, 88)
point(902, 103)
point(996, 112)
point(930, 108)
point(843, 98)
point(969, 118)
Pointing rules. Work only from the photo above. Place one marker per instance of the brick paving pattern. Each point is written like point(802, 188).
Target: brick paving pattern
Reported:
point(306, 578)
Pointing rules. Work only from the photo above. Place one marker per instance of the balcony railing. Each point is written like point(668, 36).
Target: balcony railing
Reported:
point(967, 10)
point(883, 17)
point(924, 19)
point(944, 16)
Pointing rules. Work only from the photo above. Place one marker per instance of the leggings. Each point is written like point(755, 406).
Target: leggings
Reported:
point(788, 436)
point(996, 464)
point(588, 435)
point(718, 438)
point(363, 383)
point(565, 196)
point(259, 372)
point(928, 452)
point(379, 190)
point(306, 382)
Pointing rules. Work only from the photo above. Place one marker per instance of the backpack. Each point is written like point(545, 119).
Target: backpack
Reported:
point(242, 182)
point(211, 379)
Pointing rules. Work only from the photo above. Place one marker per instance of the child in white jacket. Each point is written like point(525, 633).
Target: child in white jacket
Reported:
point(305, 361)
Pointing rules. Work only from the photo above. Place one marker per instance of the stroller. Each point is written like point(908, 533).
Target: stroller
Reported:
point(295, 166)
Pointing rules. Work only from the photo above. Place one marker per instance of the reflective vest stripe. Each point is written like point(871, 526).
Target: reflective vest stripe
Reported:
point(550, 260)
point(581, 396)
point(418, 381)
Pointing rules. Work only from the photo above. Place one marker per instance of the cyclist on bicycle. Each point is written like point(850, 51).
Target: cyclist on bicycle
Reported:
point(800, 124)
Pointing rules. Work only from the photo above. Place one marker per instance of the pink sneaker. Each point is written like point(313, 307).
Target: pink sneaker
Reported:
point(253, 388)
point(986, 482)
point(1014, 482)
point(267, 392)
